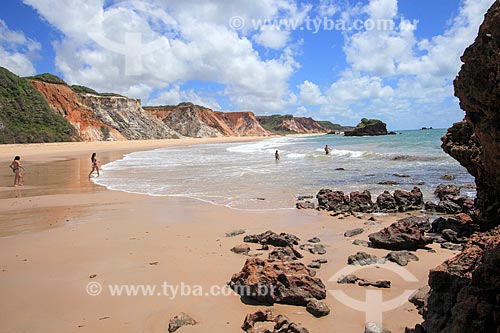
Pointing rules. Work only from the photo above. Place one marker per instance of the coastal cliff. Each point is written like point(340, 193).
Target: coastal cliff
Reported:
point(465, 290)
point(243, 123)
point(288, 124)
point(100, 117)
point(25, 116)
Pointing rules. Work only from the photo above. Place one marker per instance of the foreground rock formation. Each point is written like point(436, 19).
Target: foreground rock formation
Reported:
point(465, 290)
point(277, 323)
point(287, 124)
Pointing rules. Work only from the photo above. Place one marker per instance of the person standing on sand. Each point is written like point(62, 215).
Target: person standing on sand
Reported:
point(327, 150)
point(95, 165)
point(277, 155)
point(16, 168)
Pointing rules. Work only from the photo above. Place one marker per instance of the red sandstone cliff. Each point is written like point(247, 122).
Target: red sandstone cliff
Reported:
point(98, 117)
point(243, 123)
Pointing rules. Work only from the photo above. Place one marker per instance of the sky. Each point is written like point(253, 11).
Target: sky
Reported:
point(337, 60)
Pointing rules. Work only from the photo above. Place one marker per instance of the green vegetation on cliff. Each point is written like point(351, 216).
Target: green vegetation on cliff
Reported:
point(25, 116)
point(47, 77)
point(334, 127)
point(368, 122)
point(272, 123)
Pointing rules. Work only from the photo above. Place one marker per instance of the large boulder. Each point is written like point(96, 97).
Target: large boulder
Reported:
point(444, 191)
point(270, 281)
point(361, 202)
point(461, 223)
point(405, 234)
point(413, 200)
point(335, 201)
point(386, 203)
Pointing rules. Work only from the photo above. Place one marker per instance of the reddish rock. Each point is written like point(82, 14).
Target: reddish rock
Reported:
point(277, 323)
point(335, 201)
point(405, 234)
point(386, 202)
point(270, 281)
point(413, 200)
point(271, 238)
point(464, 290)
point(444, 191)
point(361, 202)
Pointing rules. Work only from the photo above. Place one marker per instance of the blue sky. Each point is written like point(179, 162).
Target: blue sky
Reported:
point(336, 60)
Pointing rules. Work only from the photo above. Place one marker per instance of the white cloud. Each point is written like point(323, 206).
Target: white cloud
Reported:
point(310, 94)
point(17, 51)
point(175, 41)
point(175, 95)
point(395, 76)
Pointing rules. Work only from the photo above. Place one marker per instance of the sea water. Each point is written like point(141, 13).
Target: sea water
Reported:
point(246, 175)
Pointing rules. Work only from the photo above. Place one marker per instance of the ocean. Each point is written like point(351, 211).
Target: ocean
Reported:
point(246, 175)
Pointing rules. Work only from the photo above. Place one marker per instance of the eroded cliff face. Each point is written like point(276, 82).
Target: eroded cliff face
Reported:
point(98, 117)
point(478, 88)
point(291, 124)
point(243, 123)
point(465, 290)
point(197, 121)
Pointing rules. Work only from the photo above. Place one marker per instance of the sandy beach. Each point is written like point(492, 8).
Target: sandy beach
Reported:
point(60, 232)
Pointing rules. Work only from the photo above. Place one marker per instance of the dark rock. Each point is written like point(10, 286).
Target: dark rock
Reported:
point(305, 197)
point(317, 308)
point(368, 127)
point(279, 323)
point(305, 205)
point(372, 219)
point(271, 238)
point(464, 289)
point(264, 247)
point(348, 279)
point(386, 203)
point(353, 232)
point(241, 249)
point(388, 182)
point(363, 259)
point(314, 248)
point(450, 235)
point(452, 247)
point(340, 169)
point(235, 232)
point(448, 177)
point(182, 319)
point(413, 200)
point(283, 282)
point(314, 240)
point(405, 234)
point(375, 328)
point(461, 223)
point(361, 242)
point(314, 265)
point(401, 175)
point(321, 260)
point(361, 202)
point(335, 201)
point(376, 284)
point(401, 257)
point(419, 298)
point(285, 253)
point(444, 191)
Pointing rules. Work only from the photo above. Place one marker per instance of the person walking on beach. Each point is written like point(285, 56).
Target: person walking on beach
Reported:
point(16, 168)
point(277, 155)
point(95, 165)
point(327, 150)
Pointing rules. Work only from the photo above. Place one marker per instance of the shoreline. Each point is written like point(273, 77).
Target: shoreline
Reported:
point(54, 239)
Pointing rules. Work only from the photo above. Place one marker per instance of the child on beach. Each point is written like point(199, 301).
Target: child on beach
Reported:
point(277, 155)
point(16, 168)
point(95, 165)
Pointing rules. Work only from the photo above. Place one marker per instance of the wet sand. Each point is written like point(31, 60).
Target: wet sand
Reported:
point(60, 229)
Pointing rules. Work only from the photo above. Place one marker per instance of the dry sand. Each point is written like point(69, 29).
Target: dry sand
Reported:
point(59, 230)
